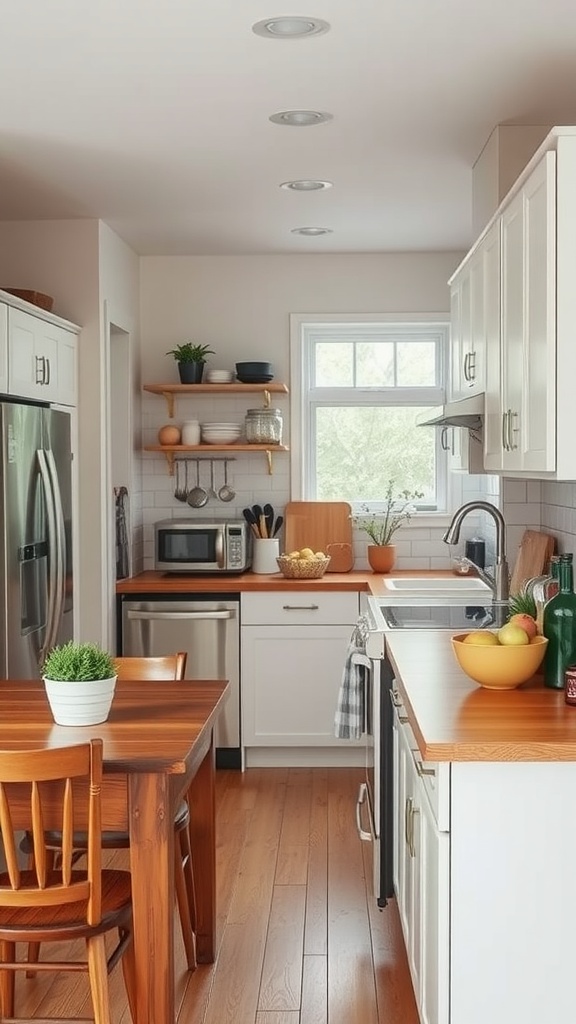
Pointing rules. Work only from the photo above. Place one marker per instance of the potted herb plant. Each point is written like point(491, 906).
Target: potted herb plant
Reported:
point(381, 525)
point(191, 360)
point(80, 679)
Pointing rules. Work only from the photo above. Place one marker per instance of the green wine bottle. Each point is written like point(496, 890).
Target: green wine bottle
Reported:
point(560, 627)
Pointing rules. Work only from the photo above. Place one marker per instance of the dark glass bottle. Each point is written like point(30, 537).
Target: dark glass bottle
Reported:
point(560, 627)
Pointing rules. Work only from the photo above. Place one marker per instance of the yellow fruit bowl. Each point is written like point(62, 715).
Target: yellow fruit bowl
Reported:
point(499, 666)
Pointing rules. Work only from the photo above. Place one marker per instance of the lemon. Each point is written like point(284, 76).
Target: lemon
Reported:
point(482, 638)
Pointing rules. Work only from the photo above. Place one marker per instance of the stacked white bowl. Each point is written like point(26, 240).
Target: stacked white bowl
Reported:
point(219, 376)
point(220, 433)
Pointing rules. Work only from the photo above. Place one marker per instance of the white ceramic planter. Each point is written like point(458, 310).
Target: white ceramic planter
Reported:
point(80, 703)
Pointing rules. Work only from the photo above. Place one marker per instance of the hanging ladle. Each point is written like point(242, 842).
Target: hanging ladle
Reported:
point(226, 493)
point(197, 497)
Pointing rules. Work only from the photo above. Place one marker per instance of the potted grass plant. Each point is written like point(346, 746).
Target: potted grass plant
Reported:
point(381, 525)
point(191, 360)
point(80, 679)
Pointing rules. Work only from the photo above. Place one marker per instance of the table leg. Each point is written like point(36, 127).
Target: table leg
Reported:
point(151, 816)
point(203, 832)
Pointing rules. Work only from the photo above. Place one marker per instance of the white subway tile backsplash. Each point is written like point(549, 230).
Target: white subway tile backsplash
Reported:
point(514, 491)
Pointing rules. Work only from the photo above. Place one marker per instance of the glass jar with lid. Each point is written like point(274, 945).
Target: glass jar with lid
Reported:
point(264, 426)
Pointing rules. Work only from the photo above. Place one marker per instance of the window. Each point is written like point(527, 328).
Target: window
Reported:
point(357, 387)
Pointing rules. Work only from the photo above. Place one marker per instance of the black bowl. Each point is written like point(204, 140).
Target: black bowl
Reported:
point(262, 379)
point(255, 370)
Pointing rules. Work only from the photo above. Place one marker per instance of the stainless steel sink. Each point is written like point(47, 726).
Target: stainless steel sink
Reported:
point(438, 616)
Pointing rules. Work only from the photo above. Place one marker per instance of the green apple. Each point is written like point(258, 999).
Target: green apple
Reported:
point(512, 635)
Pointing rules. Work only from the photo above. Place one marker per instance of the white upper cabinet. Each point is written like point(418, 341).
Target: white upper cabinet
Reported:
point(467, 348)
point(41, 359)
point(520, 432)
point(527, 256)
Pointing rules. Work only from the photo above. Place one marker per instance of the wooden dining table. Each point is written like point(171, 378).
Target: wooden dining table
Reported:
point(158, 745)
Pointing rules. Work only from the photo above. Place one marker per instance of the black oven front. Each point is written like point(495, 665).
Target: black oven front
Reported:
point(375, 798)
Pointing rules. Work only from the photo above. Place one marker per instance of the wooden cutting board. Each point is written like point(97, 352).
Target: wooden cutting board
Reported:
point(323, 526)
point(532, 559)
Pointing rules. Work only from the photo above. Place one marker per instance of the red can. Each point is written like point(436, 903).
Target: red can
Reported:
point(570, 685)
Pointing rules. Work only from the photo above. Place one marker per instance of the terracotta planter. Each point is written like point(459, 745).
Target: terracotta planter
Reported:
point(381, 558)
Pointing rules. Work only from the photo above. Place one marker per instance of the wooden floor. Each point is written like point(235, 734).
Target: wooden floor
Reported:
point(300, 938)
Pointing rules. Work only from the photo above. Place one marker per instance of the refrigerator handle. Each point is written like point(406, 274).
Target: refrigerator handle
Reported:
point(56, 548)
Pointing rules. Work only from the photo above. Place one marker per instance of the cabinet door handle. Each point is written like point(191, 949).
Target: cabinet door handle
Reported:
point(47, 369)
point(444, 439)
point(407, 815)
point(471, 367)
point(395, 698)
point(504, 445)
point(300, 607)
point(511, 430)
point(465, 369)
point(40, 370)
point(412, 847)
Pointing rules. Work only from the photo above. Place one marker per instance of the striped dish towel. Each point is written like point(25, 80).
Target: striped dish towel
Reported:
point(349, 717)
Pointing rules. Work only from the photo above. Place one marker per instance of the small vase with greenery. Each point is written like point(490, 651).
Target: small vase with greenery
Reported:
point(381, 524)
point(191, 359)
point(80, 679)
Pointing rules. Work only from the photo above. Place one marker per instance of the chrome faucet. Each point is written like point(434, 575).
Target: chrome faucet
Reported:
point(499, 583)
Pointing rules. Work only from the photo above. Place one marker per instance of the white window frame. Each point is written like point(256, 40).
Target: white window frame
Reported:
point(301, 324)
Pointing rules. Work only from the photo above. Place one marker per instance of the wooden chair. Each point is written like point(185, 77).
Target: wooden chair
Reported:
point(160, 669)
point(42, 905)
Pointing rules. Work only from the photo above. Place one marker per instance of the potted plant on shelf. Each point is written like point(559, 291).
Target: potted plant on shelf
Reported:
point(191, 360)
point(80, 679)
point(382, 525)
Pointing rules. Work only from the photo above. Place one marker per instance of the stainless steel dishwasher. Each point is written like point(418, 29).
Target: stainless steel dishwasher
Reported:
point(209, 631)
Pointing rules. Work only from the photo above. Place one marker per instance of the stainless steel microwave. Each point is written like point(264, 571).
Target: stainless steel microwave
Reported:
point(209, 546)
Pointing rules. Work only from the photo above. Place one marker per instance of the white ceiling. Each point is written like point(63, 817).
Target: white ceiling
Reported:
point(154, 116)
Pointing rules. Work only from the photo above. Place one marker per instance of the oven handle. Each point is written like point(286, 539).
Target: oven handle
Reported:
point(363, 800)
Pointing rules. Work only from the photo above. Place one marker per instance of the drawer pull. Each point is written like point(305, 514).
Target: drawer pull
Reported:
point(403, 719)
point(300, 607)
point(422, 770)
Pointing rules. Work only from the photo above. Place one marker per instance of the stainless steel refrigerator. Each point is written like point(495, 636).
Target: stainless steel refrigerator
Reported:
point(36, 595)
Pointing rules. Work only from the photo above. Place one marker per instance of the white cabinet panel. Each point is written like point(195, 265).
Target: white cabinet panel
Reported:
point(290, 681)
point(41, 359)
point(3, 349)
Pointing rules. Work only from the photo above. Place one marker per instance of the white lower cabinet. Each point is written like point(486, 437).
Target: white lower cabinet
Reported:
point(485, 885)
point(421, 863)
point(293, 648)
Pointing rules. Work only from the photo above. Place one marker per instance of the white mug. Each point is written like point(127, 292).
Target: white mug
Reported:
point(265, 551)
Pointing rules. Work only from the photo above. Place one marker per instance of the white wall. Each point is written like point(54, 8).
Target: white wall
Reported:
point(84, 266)
point(240, 306)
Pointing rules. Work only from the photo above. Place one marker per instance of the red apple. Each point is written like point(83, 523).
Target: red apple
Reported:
point(526, 622)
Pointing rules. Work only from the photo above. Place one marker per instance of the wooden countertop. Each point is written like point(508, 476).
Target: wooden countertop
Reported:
point(151, 582)
point(454, 719)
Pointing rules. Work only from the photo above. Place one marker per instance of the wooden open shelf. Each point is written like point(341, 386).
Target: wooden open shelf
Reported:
point(172, 451)
point(171, 391)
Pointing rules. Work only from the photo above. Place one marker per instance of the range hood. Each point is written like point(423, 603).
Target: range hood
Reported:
point(468, 412)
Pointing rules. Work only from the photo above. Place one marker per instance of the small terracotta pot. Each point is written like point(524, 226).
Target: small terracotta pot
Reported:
point(381, 558)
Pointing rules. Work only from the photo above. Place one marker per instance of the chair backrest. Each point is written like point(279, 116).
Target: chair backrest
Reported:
point(165, 668)
point(47, 789)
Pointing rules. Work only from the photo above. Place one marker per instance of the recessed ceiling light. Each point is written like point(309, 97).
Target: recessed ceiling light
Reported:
point(290, 28)
point(311, 232)
point(300, 118)
point(306, 185)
